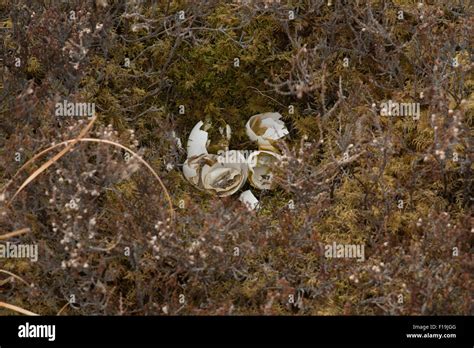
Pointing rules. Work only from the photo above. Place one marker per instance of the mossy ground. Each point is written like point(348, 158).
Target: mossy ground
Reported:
point(399, 186)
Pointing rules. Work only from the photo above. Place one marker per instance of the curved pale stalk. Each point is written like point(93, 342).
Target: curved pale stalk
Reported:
point(13, 275)
point(14, 233)
point(54, 159)
point(17, 309)
point(94, 140)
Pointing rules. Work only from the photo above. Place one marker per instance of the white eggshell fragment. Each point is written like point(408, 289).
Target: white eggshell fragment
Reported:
point(217, 174)
point(197, 141)
point(226, 131)
point(227, 175)
point(260, 169)
point(265, 129)
point(250, 201)
point(178, 140)
point(192, 168)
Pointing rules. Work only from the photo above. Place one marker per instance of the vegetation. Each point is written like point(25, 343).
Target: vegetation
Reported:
point(109, 241)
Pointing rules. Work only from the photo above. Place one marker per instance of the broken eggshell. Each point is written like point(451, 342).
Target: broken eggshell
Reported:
point(192, 168)
point(260, 165)
point(216, 174)
point(266, 129)
point(225, 173)
point(204, 138)
point(197, 141)
point(250, 201)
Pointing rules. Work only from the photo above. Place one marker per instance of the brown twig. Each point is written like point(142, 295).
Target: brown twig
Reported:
point(14, 233)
